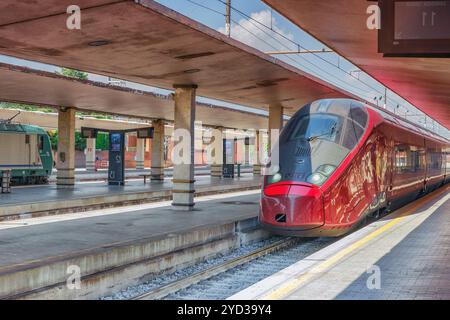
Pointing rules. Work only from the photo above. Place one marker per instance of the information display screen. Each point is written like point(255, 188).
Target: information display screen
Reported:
point(414, 28)
point(416, 20)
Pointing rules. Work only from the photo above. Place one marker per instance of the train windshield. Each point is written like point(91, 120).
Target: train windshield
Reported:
point(315, 142)
point(311, 127)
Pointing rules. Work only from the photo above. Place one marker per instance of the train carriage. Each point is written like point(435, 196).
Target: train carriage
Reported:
point(341, 161)
point(26, 151)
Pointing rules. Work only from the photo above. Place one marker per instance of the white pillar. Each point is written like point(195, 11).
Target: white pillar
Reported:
point(158, 162)
point(183, 173)
point(66, 148)
point(217, 156)
point(140, 154)
point(90, 154)
point(247, 151)
point(275, 120)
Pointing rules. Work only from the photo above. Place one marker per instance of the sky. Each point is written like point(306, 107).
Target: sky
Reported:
point(256, 31)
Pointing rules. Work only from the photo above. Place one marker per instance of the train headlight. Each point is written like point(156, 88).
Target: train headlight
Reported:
point(316, 178)
point(276, 178)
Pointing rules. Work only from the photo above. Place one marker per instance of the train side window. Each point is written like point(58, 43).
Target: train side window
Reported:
point(401, 158)
point(353, 132)
point(358, 114)
point(27, 139)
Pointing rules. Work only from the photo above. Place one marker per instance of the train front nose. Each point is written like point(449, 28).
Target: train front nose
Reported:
point(292, 209)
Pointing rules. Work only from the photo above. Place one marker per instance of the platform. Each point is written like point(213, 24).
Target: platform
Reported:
point(405, 255)
point(49, 199)
point(117, 250)
point(82, 175)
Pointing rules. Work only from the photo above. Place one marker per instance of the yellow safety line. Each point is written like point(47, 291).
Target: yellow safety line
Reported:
point(285, 290)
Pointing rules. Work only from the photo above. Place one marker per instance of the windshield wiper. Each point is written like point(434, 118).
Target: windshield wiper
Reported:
point(330, 132)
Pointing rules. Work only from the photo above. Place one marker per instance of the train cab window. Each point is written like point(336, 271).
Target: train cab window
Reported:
point(314, 126)
point(41, 143)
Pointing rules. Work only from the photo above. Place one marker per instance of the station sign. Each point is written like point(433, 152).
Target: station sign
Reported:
point(414, 28)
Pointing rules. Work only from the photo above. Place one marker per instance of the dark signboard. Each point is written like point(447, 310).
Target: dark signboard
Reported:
point(116, 170)
point(145, 133)
point(89, 133)
point(415, 28)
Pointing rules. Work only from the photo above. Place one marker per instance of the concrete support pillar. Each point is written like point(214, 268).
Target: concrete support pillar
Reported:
point(158, 151)
point(275, 120)
point(247, 151)
point(140, 154)
point(66, 148)
point(218, 156)
point(90, 154)
point(258, 148)
point(183, 171)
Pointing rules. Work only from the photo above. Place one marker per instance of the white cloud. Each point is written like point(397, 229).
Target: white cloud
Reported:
point(256, 35)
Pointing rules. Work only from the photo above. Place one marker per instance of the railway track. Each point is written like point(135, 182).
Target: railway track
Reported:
point(188, 281)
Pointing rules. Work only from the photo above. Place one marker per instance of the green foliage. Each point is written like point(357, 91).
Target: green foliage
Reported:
point(71, 73)
point(102, 142)
point(25, 107)
point(80, 143)
point(53, 135)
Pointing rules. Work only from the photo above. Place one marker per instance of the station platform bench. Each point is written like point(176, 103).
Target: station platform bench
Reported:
point(405, 255)
point(34, 201)
point(117, 250)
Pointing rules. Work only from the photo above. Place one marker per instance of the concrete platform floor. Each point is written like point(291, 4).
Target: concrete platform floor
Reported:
point(36, 254)
point(33, 199)
point(405, 255)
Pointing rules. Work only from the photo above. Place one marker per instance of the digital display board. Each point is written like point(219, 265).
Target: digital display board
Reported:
point(145, 133)
point(89, 133)
point(415, 20)
point(414, 28)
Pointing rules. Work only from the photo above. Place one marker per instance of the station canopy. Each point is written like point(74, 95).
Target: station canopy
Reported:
point(24, 85)
point(342, 26)
point(147, 43)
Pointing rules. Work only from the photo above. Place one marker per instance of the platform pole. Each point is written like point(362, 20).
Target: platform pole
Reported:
point(140, 154)
point(217, 160)
point(90, 154)
point(66, 148)
point(183, 171)
point(158, 162)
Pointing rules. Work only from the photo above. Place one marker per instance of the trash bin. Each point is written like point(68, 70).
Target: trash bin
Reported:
point(5, 181)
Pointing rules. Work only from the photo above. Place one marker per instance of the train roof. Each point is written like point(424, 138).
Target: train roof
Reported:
point(387, 116)
point(20, 128)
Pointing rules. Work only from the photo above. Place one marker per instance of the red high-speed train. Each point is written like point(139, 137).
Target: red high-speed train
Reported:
point(341, 161)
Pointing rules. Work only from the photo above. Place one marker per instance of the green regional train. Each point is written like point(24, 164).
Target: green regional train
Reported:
point(26, 151)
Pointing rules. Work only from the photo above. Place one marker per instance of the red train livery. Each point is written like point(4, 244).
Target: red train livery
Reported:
point(340, 161)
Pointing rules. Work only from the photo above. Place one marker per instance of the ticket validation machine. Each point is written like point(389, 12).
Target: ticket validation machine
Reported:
point(116, 169)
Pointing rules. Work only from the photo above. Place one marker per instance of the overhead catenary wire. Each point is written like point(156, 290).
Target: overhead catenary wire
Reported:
point(312, 52)
point(306, 50)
